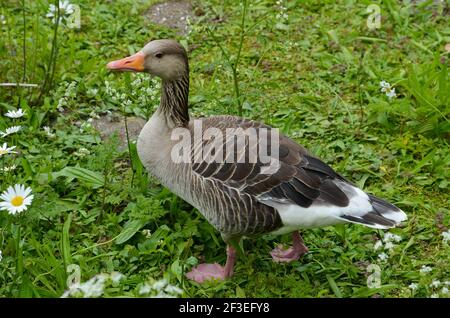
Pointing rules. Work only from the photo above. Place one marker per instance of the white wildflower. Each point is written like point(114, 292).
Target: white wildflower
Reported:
point(15, 114)
point(383, 256)
point(160, 284)
point(384, 84)
point(16, 199)
point(145, 289)
point(48, 131)
point(92, 288)
point(377, 245)
point(434, 296)
point(92, 92)
point(61, 103)
point(116, 277)
point(389, 246)
point(5, 150)
point(85, 126)
point(65, 9)
point(7, 169)
point(93, 115)
point(446, 237)
point(160, 289)
point(413, 286)
point(387, 89)
point(170, 289)
point(2, 19)
point(71, 89)
point(425, 269)
point(390, 237)
point(82, 152)
point(10, 130)
point(444, 290)
point(391, 93)
point(435, 284)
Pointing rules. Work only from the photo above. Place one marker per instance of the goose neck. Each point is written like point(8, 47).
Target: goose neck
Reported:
point(174, 101)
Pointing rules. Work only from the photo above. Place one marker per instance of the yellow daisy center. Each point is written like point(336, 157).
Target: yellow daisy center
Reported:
point(17, 201)
point(2, 152)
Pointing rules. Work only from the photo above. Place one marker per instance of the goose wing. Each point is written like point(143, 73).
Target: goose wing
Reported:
point(304, 190)
point(295, 176)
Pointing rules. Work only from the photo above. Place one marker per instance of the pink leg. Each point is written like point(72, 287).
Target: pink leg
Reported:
point(280, 254)
point(204, 272)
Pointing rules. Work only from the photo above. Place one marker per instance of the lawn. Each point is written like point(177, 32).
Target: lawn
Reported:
point(310, 68)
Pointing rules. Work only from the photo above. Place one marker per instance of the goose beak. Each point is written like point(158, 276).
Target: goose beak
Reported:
point(134, 63)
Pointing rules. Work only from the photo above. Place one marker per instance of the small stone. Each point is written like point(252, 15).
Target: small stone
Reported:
point(172, 14)
point(106, 127)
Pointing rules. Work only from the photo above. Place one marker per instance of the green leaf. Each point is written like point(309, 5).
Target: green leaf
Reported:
point(91, 178)
point(27, 167)
point(65, 242)
point(130, 228)
point(334, 287)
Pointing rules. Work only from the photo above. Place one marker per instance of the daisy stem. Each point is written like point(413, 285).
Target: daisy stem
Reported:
point(24, 47)
point(50, 72)
point(19, 254)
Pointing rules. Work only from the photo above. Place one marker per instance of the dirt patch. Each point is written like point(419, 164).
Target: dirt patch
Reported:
point(108, 127)
point(172, 14)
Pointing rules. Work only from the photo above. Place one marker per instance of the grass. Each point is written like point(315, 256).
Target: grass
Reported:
point(310, 68)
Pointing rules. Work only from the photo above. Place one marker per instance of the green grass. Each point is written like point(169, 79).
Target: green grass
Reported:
point(314, 74)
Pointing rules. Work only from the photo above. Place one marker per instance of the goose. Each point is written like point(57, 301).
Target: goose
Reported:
point(284, 190)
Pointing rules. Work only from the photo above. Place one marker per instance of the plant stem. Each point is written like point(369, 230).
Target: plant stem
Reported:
point(129, 146)
point(360, 99)
point(48, 79)
point(24, 49)
point(238, 56)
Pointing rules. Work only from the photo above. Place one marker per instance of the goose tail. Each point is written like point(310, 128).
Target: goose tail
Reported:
point(383, 215)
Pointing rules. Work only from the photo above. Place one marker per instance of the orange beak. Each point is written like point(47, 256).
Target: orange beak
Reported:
point(134, 63)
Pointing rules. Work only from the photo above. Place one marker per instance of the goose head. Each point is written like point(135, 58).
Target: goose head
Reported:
point(166, 59)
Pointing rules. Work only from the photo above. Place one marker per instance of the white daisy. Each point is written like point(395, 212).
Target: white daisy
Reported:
point(413, 286)
point(65, 8)
point(10, 130)
point(16, 199)
point(15, 114)
point(4, 149)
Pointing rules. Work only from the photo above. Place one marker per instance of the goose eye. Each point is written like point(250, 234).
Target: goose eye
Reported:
point(158, 55)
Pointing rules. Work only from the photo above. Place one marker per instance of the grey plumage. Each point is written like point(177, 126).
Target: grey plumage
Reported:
point(238, 198)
